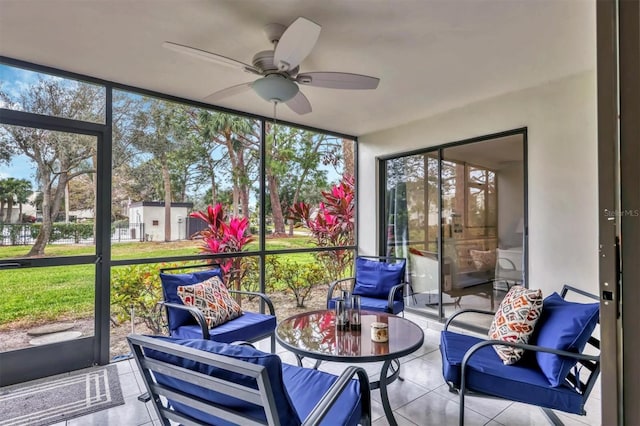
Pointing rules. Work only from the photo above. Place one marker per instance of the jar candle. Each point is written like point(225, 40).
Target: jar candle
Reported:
point(379, 332)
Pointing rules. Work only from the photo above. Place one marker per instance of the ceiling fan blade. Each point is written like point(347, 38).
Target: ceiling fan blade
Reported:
point(299, 104)
point(229, 91)
point(296, 43)
point(209, 56)
point(338, 80)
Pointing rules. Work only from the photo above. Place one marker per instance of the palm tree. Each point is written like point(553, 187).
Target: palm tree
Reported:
point(22, 191)
point(14, 191)
point(3, 197)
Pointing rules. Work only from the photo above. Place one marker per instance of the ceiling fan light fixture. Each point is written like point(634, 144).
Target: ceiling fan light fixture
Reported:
point(275, 88)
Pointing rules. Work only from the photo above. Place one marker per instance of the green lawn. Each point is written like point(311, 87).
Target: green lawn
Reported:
point(35, 295)
point(136, 250)
point(39, 294)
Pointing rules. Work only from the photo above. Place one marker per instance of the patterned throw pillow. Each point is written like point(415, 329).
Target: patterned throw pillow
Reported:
point(213, 299)
point(514, 321)
point(483, 260)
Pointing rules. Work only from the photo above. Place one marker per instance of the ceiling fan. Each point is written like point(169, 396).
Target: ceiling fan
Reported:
point(279, 68)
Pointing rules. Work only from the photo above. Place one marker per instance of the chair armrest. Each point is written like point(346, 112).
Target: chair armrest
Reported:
point(465, 311)
point(512, 266)
point(262, 296)
point(527, 347)
point(333, 285)
point(242, 343)
point(392, 294)
point(195, 312)
point(328, 400)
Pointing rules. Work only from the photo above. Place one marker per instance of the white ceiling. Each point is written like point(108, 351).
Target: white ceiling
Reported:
point(430, 55)
point(494, 154)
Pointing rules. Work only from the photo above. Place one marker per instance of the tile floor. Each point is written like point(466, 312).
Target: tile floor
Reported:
point(421, 399)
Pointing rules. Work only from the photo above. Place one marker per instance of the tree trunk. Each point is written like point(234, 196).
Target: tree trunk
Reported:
point(166, 177)
point(212, 177)
point(66, 203)
point(276, 208)
point(45, 230)
point(347, 155)
point(236, 198)
point(9, 209)
point(50, 207)
point(244, 201)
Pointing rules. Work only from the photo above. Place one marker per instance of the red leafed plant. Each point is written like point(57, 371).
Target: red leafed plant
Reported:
point(222, 236)
point(331, 224)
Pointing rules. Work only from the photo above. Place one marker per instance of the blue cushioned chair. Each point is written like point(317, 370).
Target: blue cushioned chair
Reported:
point(206, 382)
point(555, 373)
point(379, 280)
point(188, 322)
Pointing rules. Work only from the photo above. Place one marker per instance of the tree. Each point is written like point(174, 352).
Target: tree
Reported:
point(239, 139)
point(59, 157)
point(3, 197)
point(154, 134)
point(21, 191)
point(292, 167)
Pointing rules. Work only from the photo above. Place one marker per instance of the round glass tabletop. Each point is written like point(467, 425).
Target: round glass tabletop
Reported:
point(314, 335)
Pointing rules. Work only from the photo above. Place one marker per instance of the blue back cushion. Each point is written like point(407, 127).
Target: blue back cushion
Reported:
point(273, 364)
point(566, 326)
point(170, 284)
point(375, 278)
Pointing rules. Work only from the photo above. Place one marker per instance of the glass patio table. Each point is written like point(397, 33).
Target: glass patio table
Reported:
point(314, 335)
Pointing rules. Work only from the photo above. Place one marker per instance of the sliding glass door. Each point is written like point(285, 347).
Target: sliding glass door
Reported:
point(457, 213)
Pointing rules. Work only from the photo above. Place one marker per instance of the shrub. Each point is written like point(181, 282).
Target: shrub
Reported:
point(137, 287)
point(65, 231)
point(299, 278)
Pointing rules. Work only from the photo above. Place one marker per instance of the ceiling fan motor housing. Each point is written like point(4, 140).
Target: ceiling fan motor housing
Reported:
point(264, 62)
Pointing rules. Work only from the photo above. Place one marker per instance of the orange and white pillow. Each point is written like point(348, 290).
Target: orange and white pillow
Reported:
point(213, 299)
point(515, 320)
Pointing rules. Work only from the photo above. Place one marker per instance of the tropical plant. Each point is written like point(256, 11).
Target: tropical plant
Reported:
point(331, 224)
point(222, 236)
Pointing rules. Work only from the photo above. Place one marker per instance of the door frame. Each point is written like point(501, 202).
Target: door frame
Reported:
point(618, 67)
point(41, 361)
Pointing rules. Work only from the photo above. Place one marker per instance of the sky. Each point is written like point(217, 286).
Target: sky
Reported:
point(13, 81)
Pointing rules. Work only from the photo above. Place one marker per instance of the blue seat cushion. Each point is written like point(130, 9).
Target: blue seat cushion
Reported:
point(522, 382)
point(375, 278)
point(566, 326)
point(170, 284)
point(249, 326)
point(273, 364)
point(373, 304)
point(296, 390)
point(306, 386)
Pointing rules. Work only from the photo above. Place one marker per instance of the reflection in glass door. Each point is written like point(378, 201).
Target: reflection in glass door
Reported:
point(412, 224)
point(469, 242)
point(458, 215)
point(48, 255)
